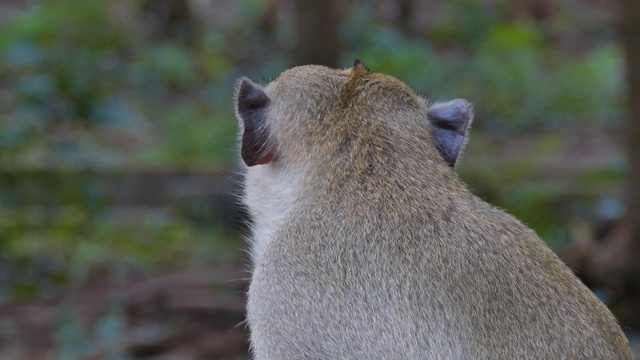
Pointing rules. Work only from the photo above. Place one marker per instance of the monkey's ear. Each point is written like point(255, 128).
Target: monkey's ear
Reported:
point(252, 104)
point(451, 122)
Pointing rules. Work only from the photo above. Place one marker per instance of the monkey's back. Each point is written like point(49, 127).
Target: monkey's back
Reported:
point(461, 280)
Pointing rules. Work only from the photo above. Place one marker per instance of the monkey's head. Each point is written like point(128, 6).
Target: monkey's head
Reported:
point(316, 131)
point(312, 115)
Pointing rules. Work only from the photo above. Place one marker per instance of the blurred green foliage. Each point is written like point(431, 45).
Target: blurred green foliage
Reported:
point(81, 82)
point(64, 64)
point(82, 86)
point(43, 248)
point(518, 80)
point(76, 72)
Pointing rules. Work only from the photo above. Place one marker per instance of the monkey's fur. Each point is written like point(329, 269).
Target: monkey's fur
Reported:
point(367, 245)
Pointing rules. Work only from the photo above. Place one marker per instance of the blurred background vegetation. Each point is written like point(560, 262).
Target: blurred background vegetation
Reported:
point(120, 236)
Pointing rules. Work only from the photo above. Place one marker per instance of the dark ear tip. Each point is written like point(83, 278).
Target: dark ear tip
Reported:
point(244, 86)
point(463, 105)
point(251, 96)
point(460, 105)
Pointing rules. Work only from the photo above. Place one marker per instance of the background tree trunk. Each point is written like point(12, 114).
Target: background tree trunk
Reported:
point(629, 20)
point(170, 20)
point(317, 41)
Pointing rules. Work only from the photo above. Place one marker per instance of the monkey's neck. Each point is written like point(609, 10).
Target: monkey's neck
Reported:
point(391, 186)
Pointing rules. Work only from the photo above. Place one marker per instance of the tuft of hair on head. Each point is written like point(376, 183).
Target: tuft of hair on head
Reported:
point(359, 69)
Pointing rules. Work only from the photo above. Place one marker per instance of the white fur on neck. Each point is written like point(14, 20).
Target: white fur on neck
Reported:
point(269, 194)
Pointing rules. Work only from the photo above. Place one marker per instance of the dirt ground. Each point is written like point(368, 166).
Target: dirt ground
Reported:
point(174, 316)
point(190, 315)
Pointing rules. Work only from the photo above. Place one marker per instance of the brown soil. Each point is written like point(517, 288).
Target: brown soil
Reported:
point(183, 316)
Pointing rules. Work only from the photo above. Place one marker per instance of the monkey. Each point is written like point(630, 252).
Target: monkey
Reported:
point(366, 244)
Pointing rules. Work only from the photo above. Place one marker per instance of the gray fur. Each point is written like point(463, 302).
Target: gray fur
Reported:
point(368, 246)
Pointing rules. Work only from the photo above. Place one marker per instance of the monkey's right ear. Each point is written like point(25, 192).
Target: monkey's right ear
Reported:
point(451, 122)
point(252, 104)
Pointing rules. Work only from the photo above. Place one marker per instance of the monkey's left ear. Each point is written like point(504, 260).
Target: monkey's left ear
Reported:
point(252, 104)
point(451, 122)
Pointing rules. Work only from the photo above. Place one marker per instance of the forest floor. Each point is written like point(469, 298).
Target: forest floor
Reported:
point(194, 315)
